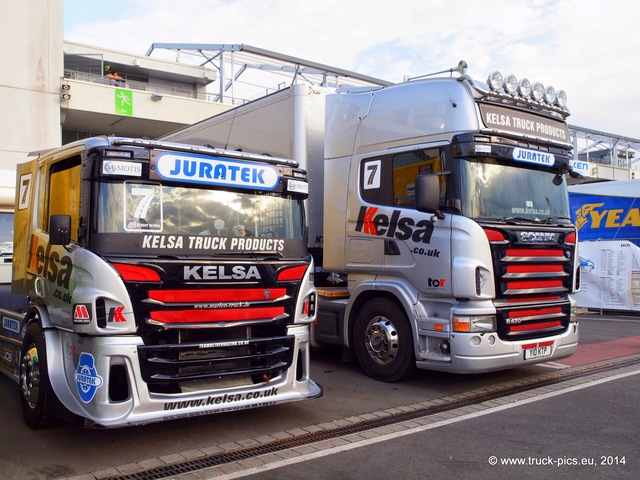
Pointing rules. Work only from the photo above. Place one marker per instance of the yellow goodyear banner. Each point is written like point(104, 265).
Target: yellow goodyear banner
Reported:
point(606, 217)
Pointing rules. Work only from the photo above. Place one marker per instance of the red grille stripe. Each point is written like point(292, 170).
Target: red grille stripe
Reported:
point(534, 284)
point(534, 312)
point(533, 268)
point(525, 327)
point(523, 252)
point(209, 295)
point(533, 299)
point(219, 315)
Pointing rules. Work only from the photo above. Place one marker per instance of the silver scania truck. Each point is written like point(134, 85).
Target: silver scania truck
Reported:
point(438, 210)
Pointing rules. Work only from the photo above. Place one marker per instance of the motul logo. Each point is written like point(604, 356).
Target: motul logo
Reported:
point(403, 228)
point(82, 313)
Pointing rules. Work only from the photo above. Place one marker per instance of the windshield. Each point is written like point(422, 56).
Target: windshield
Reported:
point(494, 191)
point(171, 210)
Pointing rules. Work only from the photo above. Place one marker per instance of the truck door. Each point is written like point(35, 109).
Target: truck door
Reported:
point(407, 243)
point(50, 267)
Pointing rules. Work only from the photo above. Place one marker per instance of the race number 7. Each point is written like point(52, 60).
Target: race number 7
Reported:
point(146, 197)
point(372, 174)
point(25, 191)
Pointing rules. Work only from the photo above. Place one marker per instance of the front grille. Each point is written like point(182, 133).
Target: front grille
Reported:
point(532, 288)
point(181, 308)
point(259, 359)
point(202, 330)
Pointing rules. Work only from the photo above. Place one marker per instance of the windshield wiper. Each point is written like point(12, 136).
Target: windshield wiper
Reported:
point(519, 219)
point(556, 218)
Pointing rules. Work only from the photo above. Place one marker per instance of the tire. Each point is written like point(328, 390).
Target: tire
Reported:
point(35, 389)
point(383, 341)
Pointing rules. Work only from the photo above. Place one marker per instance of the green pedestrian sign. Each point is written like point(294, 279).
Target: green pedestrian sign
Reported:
point(124, 102)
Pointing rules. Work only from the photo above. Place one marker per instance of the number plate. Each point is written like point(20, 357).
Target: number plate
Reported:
point(537, 352)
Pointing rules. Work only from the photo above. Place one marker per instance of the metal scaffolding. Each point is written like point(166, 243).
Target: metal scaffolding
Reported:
point(245, 73)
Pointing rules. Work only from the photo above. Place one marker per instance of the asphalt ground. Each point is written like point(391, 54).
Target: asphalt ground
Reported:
point(582, 428)
point(577, 430)
point(525, 434)
point(590, 431)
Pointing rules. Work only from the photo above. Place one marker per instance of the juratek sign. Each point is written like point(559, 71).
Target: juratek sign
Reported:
point(216, 171)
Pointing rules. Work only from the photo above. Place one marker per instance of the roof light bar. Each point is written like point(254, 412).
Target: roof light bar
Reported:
point(526, 90)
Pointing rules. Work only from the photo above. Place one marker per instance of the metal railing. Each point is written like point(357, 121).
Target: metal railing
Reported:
point(147, 87)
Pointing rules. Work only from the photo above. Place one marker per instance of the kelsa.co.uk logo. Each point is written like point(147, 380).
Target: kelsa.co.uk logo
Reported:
point(404, 228)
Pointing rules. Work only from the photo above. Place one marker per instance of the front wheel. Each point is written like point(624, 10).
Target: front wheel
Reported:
point(383, 341)
point(34, 378)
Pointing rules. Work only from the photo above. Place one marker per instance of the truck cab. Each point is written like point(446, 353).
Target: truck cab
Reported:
point(163, 281)
point(456, 242)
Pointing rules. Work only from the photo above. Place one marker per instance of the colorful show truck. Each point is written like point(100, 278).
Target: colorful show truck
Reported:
point(158, 281)
point(438, 210)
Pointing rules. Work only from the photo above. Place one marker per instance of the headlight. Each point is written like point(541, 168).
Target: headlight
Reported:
point(550, 95)
point(495, 80)
point(537, 90)
point(524, 88)
point(561, 98)
point(510, 84)
point(474, 323)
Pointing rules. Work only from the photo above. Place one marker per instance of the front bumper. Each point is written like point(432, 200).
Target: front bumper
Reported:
point(90, 382)
point(479, 353)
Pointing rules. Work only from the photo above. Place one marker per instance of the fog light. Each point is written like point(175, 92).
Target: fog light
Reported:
point(524, 88)
point(510, 84)
point(475, 341)
point(537, 91)
point(495, 81)
point(491, 340)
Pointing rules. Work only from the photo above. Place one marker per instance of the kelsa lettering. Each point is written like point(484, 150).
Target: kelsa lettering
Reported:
point(221, 272)
point(50, 265)
point(403, 228)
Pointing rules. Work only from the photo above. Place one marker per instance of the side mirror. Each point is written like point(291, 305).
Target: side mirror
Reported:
point(60, 229)
point(427, 191)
